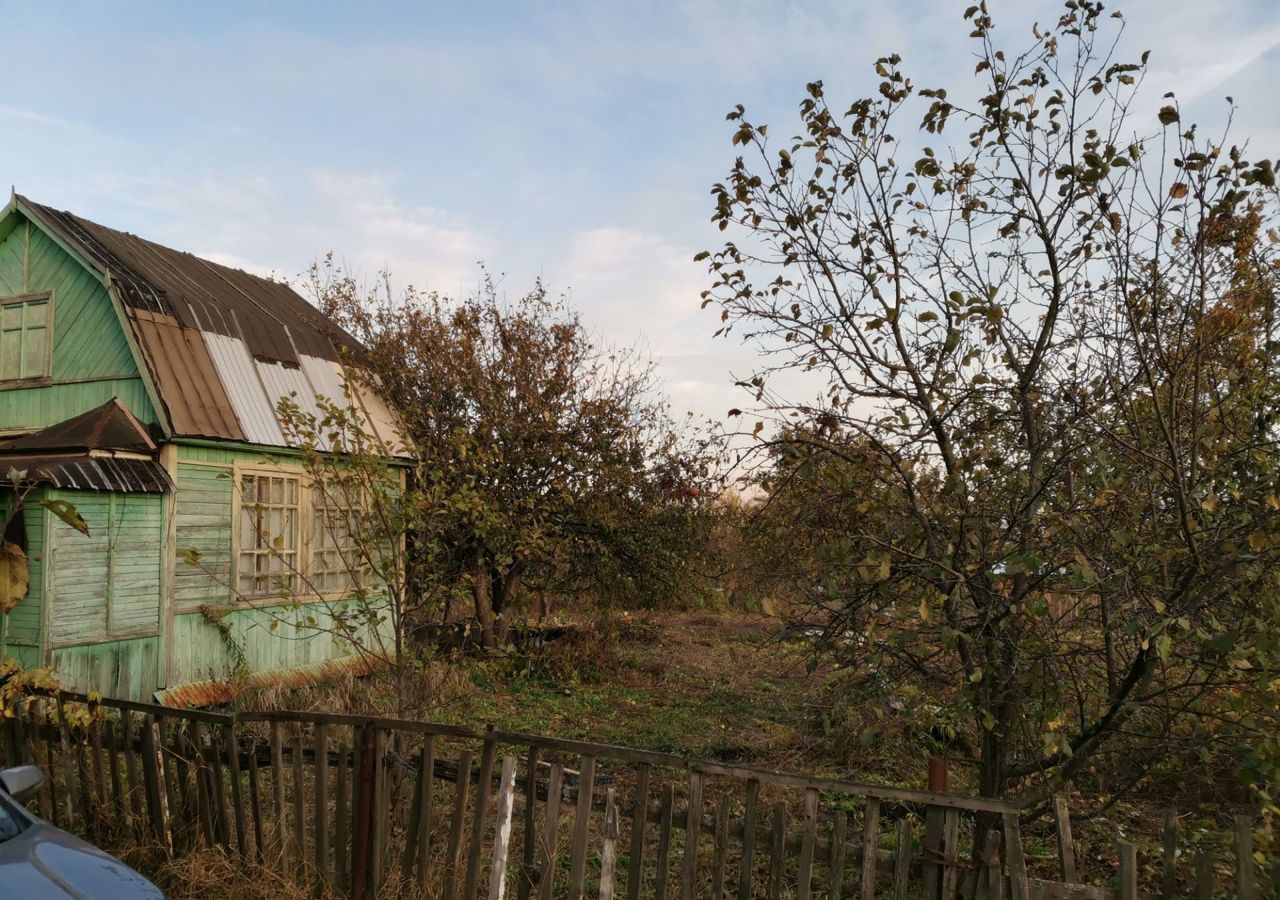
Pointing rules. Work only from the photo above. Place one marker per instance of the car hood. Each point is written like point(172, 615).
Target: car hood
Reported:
point(44, 861)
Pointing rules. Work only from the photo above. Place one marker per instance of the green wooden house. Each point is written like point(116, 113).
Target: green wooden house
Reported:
point(139, 385)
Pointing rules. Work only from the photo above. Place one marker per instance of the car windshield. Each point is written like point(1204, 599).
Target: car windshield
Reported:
point(11, 822)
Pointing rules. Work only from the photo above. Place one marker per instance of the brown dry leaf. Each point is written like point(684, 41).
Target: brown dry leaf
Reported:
point(15, 576)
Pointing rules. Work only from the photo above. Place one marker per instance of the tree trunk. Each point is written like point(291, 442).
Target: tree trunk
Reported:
point(480, 585)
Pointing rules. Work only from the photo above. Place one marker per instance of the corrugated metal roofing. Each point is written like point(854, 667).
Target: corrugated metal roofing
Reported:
point(215, 692)
point(244, 391)
point(107, 427)
point(90, 473)
point(222, 346)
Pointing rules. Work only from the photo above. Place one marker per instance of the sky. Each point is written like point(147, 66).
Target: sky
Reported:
point(572, 141)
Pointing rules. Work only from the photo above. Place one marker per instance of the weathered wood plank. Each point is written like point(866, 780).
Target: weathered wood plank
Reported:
point(836, 863)
point(778, 850)
point(1246, 880)
point(902, 860)
point(342, 821)
point(951, 849)
point(237, 791)
point(321, 794)
point(720, 847)
point(1128, 875)
point(1066, 845)
point(478, 818)
point(693, 825)
point(550, 833)
point(453, 857)
point(663, 860)
point(298, 831)
point(609, 846)
point(808, 833)
point(1014, 858)
point(746, 867)
point(581, 828)
point(255, 804)
point(277, 791)
point(524, 885)
point(502, 829)
point(870, 846)
point(639, 819)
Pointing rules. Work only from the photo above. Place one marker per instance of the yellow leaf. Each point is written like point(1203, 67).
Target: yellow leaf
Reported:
point(1209, 503)
point(15, 576)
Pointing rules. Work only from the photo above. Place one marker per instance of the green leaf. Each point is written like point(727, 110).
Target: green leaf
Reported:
point(67, 513)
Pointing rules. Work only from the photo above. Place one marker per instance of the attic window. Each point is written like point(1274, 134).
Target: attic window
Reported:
point(26, 336)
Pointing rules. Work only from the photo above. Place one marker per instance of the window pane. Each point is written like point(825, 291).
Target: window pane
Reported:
point(35, 353)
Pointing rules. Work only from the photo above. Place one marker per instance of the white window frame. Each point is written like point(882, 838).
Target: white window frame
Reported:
point(301, 580)
point(46, 367)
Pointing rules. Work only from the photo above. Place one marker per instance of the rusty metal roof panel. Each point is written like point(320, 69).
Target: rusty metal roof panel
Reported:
point(82, 472)
point(186, 377)
point(107, 427)
point(244, 390)
point(215, 692)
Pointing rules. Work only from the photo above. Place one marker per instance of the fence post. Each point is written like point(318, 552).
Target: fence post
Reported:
point(502, 829)
point(363, 810)
point(1245, 882)
point(1066, 846)
point(1128, 887)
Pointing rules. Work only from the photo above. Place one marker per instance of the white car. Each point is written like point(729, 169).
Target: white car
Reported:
point(39, 861)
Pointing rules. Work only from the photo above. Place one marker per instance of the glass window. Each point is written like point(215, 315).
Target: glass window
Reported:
point(25, 337)
point(335, 563)
point(267, 562)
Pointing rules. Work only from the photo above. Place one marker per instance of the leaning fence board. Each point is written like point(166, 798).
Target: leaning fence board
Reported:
point(472, 882)
point(64, 738)
point(277, 790)
point(994, 878)
point(209, 747)
point(525, 883)
point(1014, 859)
point(639, 819)
point(502, 829)
point(255, 802)
point(153, 782)
point(550, 833)
point(341, 822)
point(453, 857)
point(237, 789)
point(1066, 846)
point(1204, 875)
point(581, 828)
point(298, 822)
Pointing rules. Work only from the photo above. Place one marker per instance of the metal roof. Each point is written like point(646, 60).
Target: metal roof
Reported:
point(82, 472)
point(221, 346)
point(107, 427)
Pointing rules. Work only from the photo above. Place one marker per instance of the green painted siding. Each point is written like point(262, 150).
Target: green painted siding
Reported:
point(123, 669)
point(21, 628)
point(92, 361)
point(106, 584)
point(204, 508)
point(203, 512)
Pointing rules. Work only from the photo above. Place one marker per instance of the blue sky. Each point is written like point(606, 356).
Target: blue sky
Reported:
point(573, 140)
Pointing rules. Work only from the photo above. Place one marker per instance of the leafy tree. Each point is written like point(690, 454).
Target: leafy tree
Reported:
point(563, 471)
point(1044, 451)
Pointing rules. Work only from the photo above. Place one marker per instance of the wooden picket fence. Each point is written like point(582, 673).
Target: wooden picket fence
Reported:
point(367, 807)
